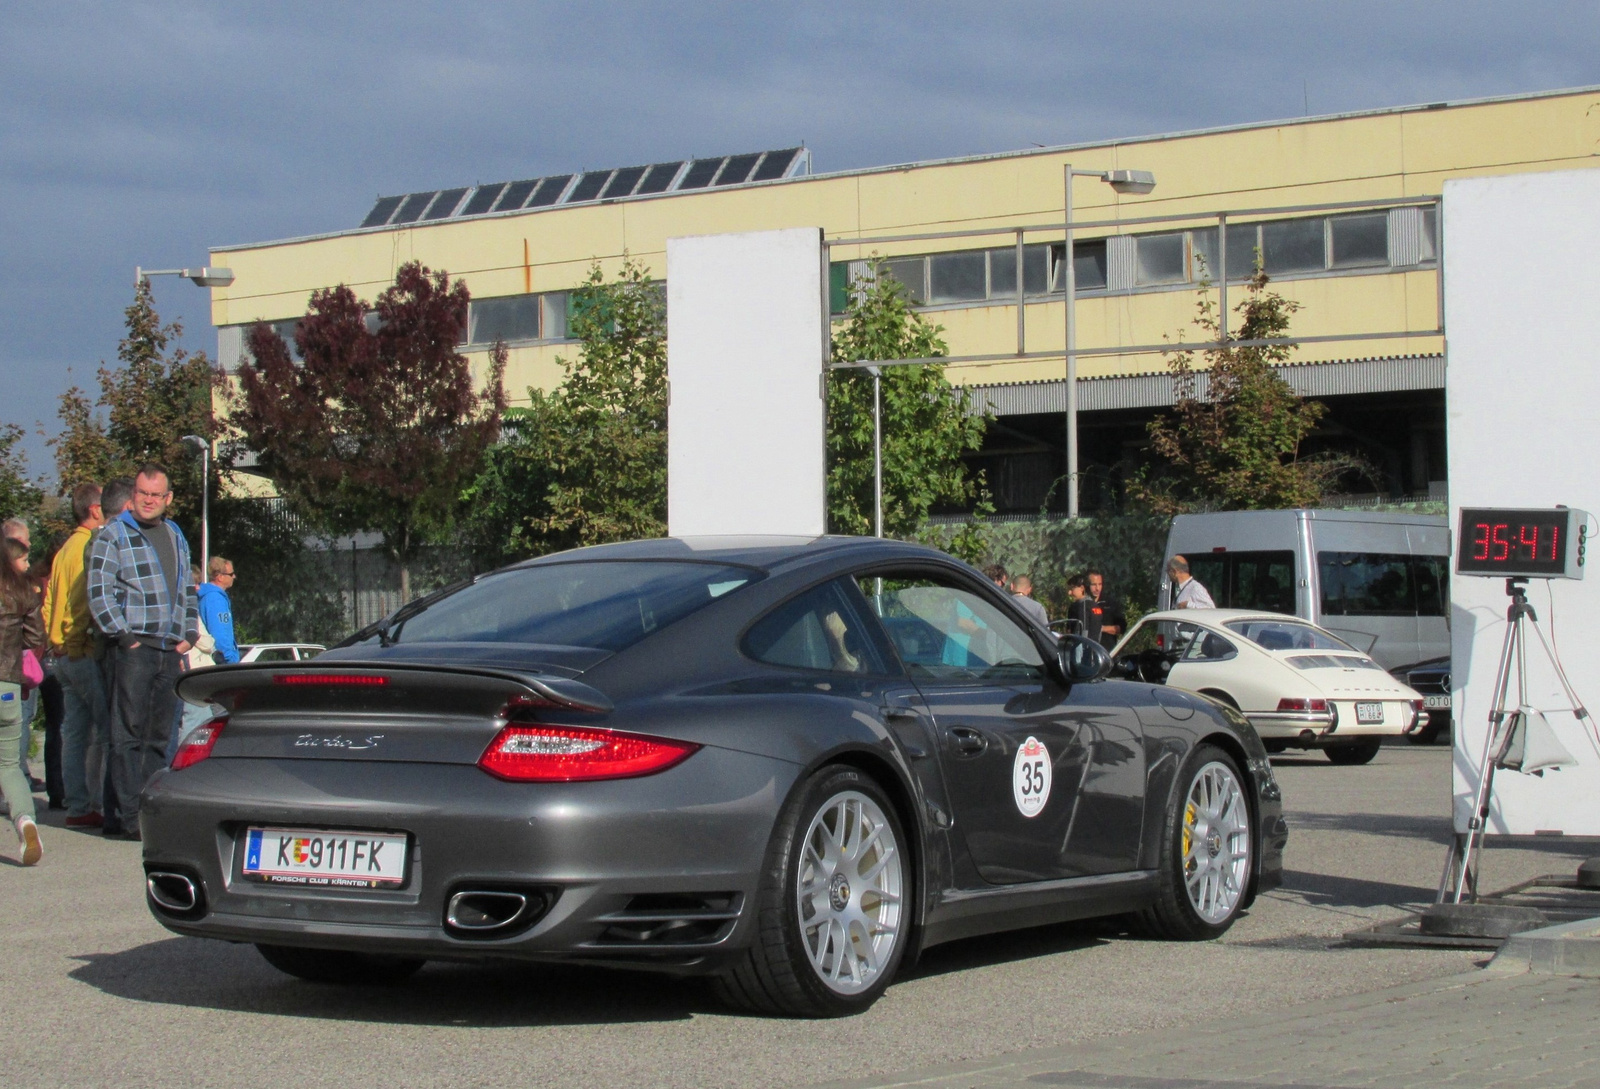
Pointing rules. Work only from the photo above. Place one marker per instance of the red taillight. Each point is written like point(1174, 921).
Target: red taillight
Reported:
point(198, 745)
point(565, 754)
point(360, 679)
point(1287, 704)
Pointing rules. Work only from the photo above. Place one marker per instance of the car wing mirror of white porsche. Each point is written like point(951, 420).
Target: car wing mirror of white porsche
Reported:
point(1080, 659)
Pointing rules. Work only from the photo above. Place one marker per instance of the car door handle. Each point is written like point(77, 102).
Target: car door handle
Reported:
point(969, 742)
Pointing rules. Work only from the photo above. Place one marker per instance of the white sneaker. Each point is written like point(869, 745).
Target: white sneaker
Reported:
point(28, 833)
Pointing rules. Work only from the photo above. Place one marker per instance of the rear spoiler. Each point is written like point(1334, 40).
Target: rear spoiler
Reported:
point(225, 684)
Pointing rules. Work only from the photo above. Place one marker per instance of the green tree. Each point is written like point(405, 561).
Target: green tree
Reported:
point(19, 495)
point(156, 396)
point(374, 429)
point(586, 463)
point(928, 424)
point(1238, 448)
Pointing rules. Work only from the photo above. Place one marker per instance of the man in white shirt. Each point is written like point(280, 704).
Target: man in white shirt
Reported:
point(1187, 591)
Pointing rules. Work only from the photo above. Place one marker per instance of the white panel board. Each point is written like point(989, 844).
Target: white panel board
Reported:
point(1522, 394)
point(745, 364)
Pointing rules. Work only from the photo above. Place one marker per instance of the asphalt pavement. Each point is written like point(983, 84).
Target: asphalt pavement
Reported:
point(101, 994)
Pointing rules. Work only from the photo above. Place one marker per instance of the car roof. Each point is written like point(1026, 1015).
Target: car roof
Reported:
point(766, 553)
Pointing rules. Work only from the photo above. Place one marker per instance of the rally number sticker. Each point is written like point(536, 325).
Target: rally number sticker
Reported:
point(1030, 777)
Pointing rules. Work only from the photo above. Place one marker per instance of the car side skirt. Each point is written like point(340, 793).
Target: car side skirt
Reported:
point(962, 913)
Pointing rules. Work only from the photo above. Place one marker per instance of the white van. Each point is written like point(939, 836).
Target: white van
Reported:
point(1379, 581)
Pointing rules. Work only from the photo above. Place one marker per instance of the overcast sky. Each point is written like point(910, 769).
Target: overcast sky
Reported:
point(140, 133)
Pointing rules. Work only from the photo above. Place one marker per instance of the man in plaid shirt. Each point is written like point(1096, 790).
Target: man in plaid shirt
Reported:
point(140, 599)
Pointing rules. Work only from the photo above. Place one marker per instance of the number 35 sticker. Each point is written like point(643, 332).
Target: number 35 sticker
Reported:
point(1030, 777)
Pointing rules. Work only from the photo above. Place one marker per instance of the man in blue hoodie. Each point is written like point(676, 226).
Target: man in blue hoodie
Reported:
point(216, 608)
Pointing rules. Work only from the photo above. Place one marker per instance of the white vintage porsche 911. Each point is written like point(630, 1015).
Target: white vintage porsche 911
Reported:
point(1299, 685)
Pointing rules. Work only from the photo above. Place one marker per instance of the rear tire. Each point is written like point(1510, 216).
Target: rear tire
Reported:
point(833, 913)
point(1354, 752)
point(1208, 851)
point(340, 966)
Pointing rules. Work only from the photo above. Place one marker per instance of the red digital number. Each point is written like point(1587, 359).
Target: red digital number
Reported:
point(1528, 544)
point(1502, 545)
point(1480, 541)
point(1555, 534)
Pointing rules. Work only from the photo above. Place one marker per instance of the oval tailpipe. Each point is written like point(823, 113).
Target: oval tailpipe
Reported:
point(172, 891)
point(483, 912)
point(1307, 737)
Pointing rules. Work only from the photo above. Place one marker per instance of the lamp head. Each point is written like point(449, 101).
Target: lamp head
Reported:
point(210, 277)
point(1131, 181)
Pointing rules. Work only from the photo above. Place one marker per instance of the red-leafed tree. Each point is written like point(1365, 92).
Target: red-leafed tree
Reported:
point(375, 429)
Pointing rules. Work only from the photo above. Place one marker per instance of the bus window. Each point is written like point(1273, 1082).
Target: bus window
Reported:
point(1262, 580)
point(1432, 577)
point(1366, 584)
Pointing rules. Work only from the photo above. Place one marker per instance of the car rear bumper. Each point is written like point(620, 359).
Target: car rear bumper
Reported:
point(652, 870)
point(1318, 728)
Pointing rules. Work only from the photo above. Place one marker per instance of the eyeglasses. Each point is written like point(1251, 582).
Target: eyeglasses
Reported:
point(142, 494)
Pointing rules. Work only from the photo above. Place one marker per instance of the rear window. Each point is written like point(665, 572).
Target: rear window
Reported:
point(1286, 635)
point(1332, 661)
point(607, 605)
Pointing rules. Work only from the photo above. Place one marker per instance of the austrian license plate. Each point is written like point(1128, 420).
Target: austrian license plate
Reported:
point(297, 856)
point(1436, 703)
point(1369, 714)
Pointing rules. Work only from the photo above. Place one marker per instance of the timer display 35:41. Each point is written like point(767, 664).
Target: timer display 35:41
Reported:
point(1527, 543)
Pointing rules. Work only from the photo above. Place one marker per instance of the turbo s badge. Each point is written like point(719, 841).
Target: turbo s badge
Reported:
point(1030, 777)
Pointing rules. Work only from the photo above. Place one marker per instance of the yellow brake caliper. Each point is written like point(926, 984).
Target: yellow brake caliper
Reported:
point(1189, 819)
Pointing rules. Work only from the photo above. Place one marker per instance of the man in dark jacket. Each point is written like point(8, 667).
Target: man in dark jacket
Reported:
point(140, 598)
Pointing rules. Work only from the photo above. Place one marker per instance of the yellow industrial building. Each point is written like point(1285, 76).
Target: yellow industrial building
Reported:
point(1337, 208)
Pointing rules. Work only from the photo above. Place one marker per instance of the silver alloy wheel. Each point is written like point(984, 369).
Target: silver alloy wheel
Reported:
point(848, 892)
point(1216, 842)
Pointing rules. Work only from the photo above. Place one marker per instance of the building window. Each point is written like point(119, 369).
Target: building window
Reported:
point(959, 277)
point(1359, 241)
point(1293, 245)
point(1036, 262)
point(1161, 259)
point(517, 318)
point(912, 273)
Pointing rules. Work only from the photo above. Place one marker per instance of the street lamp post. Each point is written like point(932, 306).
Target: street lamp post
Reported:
point(1123, 181)
point(205, 502)
point(877, 450)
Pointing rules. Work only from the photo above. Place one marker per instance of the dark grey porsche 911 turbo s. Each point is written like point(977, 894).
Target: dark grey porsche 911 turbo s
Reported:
point(788, 764)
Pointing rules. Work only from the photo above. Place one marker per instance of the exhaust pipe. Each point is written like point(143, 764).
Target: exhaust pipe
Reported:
point(1308, 738)
point(481, 913)
point(173, 891)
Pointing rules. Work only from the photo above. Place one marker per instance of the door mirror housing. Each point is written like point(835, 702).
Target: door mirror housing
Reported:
point(1080, 659)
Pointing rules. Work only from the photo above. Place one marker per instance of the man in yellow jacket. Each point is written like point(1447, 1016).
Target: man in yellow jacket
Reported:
point(71, 633)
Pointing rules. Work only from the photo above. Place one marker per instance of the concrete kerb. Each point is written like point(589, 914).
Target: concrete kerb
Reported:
point(1569, 949)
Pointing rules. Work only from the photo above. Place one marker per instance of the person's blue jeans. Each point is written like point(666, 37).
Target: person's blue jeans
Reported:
point(86, 723)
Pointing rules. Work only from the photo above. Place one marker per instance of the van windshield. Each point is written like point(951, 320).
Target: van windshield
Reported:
point(1287, 635)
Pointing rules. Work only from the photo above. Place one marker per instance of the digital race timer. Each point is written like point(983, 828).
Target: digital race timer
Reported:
point(1540, 544)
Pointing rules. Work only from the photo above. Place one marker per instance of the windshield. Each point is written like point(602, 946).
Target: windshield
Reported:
point(1287, 635)
point(607, 605)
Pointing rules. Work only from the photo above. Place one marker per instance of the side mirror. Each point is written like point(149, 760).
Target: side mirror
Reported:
point(1081, 659)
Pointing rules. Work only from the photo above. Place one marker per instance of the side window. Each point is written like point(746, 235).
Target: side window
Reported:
point(1366, 584)
point(1205, 646)
point(944, 631)
point(1432, 577)
point(1261, 580)
point(819, 629)
point(1211, 569)
point(276, 654)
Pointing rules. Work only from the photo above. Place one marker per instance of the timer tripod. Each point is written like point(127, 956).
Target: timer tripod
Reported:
point(1506, 722)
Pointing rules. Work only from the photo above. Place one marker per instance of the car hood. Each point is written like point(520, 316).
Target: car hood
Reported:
point(522, 657)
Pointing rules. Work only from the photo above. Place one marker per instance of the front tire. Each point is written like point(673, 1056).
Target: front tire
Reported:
point(833, 912)
point(340, 966)
point(1207, 851)
point(1354, 752)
